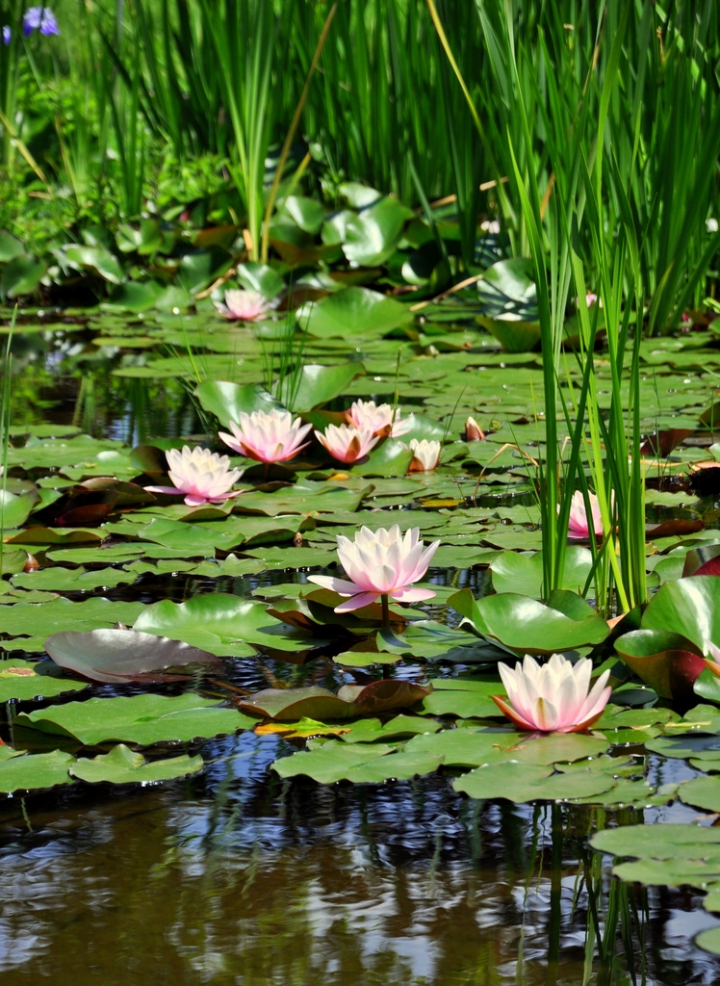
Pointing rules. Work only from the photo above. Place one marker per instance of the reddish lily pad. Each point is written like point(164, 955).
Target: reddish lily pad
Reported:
point(123, 655)
point(291, 704)
point(668, 662)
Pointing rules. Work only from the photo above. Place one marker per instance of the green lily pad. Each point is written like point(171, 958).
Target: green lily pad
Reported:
point(226, 625)
point(34, 772)
point(520, 782)
point(351, 312)
point(689, 607)
point(529, 626)
point(122, 766)
point(21, 681)
point(139, 719)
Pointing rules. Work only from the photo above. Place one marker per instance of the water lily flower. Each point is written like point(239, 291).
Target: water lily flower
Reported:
point(380, 563)
point(426, 455)
point(40, 19)
point(473, 431)
point(246, 306)
point(380, 419)
point(204, 476)
point(712, 656)
point(578, 525)
point(267, 436)
point(346, 443)
point(553, 697)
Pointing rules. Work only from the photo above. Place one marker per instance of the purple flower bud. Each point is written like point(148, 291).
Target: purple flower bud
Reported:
point(40, 18)
point(7, 34)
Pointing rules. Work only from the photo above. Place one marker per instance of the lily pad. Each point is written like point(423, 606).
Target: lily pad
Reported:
point(20, 680)
point(520, 782)
point(138, 719)
point(351, 312)
point(666, 661)
point(123, 655)
point(530, 627)
point(122, 766)
point(34, 772)
point(320, 703)
point(226, 625)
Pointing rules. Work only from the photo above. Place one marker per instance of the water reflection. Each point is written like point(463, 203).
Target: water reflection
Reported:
point(239, 878)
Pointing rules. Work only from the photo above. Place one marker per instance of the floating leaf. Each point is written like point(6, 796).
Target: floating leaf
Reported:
point(34, 772)
point(666, 661)
point(221, 624)
point(521, 782)
point(141, 719)
point(23, 681)
point(320, 703)
point(351, 312)
point(123, 655)
point(122, 766)
point(529, 626)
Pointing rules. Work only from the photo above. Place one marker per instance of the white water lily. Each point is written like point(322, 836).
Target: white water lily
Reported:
point(553, 697)
point(267, 436)
point(380, 563)
point(426, 455)
point(204, 476)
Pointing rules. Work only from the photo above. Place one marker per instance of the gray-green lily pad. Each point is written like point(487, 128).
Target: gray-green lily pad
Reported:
point(123, 655)
point(313, 702)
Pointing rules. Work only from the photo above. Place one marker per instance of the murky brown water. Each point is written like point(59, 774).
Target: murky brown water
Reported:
point(239, 878)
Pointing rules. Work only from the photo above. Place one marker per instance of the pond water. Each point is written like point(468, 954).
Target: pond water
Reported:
point(235, 876)
point(240, 878)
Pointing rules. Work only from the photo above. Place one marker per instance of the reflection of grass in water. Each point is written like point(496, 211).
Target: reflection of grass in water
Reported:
point(5, 403)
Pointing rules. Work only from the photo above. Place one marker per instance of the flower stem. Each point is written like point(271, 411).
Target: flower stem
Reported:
point(385, 610)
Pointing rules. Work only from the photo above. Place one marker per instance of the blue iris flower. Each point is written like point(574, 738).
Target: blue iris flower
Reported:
point(40, 19)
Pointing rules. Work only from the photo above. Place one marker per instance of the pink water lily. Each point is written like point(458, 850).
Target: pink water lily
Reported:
point(245, 306)
point(204, 476)
point(380, 563)
point(267, 436)
point(380, 419)
point(553, 697)
point(578, 525)
point(347, 444)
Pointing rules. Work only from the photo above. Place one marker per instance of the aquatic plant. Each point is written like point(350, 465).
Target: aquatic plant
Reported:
point(203, 476)
point(380, 419)
point(267, 436)
point(245, 306)
point(426, 454)
point(473, 431)
point(347, 443)
point(381, 563)
point(578, 524)
point(553, 697)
